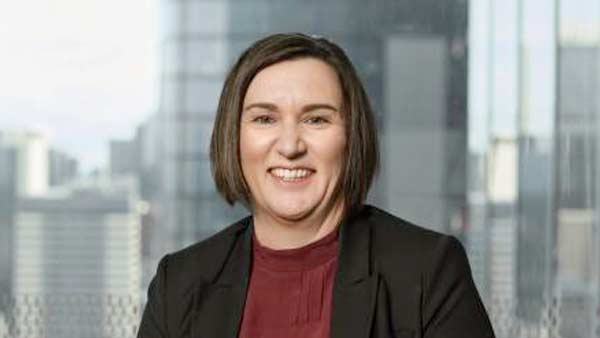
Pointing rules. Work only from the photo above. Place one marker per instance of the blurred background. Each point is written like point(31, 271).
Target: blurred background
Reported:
point(488, 116)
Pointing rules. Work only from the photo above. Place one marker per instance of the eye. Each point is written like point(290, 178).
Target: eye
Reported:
point(263, 119)
point(316, 120)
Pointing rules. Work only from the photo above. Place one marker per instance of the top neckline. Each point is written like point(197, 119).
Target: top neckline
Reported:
point(305, 257)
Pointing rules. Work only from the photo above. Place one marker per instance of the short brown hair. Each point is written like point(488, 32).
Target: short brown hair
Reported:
point(361, 154)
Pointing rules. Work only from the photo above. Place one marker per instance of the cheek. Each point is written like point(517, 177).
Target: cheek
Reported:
point(333, 152)
point(246, 153)
point(253, 151)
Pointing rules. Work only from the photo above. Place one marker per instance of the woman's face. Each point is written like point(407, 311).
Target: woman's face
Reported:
point(292, 138)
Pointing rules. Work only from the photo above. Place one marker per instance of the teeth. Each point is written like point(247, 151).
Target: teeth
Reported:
point(289, 175)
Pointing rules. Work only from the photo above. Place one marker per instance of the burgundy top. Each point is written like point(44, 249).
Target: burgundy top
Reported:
point(290, 291)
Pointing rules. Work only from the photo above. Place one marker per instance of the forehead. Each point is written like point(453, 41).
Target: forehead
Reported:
point(298, 80)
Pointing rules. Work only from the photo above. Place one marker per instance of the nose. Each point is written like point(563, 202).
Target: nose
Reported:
point(290, 143)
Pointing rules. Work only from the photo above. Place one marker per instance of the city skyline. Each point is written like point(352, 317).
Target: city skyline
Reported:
point(72, 76)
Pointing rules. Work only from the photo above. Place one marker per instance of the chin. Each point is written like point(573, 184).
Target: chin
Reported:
point(293, 212)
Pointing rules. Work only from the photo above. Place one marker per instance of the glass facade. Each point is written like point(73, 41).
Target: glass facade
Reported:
point(534, 233)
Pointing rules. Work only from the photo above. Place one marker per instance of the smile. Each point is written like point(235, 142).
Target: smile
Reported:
point(290, 175)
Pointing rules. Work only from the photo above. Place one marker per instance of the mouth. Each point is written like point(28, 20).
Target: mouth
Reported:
point(291, 174)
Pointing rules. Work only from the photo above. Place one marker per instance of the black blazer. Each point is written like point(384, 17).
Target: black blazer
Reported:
point(394, 279)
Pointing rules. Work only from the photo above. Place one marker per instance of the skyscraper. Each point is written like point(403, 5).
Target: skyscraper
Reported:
point(77, 269)
point(8, 178)
point(32, 160)
point(23, 172)
point(63, 167)
point(533, 79)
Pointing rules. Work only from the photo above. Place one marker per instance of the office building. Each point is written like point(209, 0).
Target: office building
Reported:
point(533, 75)
point(124, 157)
point(63, 168)
point(8, 178)
point(77, 264)
point(32, 161)
point(23, 172)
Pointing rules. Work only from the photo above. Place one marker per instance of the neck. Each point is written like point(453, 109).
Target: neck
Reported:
point(279, 233)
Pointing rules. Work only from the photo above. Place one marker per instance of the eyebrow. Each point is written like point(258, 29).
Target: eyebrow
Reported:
point(307, 108)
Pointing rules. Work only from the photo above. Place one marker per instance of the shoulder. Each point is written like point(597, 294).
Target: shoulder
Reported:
point(399, 243)
point(202, 261)
point(180, 275)
point(392, 231)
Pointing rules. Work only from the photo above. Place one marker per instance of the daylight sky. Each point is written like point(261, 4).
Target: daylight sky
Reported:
point(80, 71)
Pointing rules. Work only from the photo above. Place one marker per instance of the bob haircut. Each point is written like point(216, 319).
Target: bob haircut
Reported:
point(361, 152)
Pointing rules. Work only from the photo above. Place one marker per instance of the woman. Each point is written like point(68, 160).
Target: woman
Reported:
point(295, 141)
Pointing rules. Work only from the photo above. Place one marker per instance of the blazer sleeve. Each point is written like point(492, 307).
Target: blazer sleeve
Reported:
point(451, 304)
point(154, 321)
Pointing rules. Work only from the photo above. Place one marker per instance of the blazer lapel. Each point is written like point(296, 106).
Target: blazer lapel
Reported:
point(355, 286)
point(219, 306)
